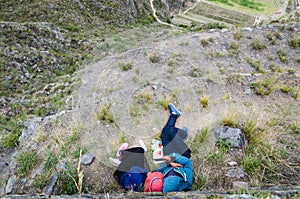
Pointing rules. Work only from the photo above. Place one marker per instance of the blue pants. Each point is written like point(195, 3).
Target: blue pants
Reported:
point(172, 139)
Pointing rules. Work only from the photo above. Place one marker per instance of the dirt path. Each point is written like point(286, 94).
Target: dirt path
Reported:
point(155, 16)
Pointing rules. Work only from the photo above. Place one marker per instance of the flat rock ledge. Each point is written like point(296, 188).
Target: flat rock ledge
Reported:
point(255, 194)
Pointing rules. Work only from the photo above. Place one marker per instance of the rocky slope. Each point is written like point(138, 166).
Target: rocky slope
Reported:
point(248, 74)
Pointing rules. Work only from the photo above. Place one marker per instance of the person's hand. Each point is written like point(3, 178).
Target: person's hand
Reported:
point(167, 158)
point(176, 165)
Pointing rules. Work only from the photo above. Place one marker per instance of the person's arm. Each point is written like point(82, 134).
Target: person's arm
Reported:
point(187, 166)
point(171, 161)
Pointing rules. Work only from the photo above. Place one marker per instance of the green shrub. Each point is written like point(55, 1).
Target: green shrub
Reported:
point(41, 180)
point(223, 146)
point(295, 128)
point(51, 161)
point(144, 97)
point(257, 44)
point(133, 110)
point(76, 153)
point(271, 38)
point(169, 21)
point(196, 71)
point(265, 86)
point(214, 26)
point(27, 161)
point(286, 89)
point(104, 114)
point(256, 65)
point(125, 66)
point(260, 161)
point(274, 69)
point(11, 131)
point(216, 158)
point(66, 181)
point(164, 102)
point(155, 58)
point(250, 130)
point(70, 27)
point(296, 94)
point(199, 182)
point(234, 45)
point(204, 101)
point(229, 120)
point(282, 54)
point(294, 42)
point(237, 35)
point(204, 42)
point(122, 137)
point(201, 136)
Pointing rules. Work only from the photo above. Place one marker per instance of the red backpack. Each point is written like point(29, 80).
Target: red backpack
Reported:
point(154, 182)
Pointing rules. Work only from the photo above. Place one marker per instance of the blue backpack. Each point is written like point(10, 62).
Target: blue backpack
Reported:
point(134, 179)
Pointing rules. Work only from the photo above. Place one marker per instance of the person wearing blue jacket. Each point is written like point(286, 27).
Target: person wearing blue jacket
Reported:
point(178, 173)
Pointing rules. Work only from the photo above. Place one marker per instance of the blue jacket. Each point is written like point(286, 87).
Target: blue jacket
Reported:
point(174, 182)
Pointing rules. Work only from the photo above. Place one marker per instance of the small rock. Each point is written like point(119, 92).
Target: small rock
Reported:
point(62, 166)
point(23, 181)
point(232, 163)
point(1, 191)
point(87, 159)
point(50, 187)
point(233, 137)
point(12, 165)
point(247, 29)
point(154, 87)
point(248, 91)
point(224, 30)
point(32, 126)
point(239, 185)
point(11, 182)
point(241, 196)
point(236, 173)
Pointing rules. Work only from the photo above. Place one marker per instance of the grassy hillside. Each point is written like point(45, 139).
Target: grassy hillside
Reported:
point(75, 13)
point(264, 7)
point(42, 44)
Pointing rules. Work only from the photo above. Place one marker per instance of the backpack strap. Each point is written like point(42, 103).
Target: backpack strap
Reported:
point(151, 182)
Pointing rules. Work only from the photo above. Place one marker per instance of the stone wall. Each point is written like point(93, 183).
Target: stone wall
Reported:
point(272, 193)
point(223, 14)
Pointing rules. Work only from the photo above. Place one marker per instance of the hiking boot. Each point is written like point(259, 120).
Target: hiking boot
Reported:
point(173, 110)
point(115, 162)
point(142, 144)
point(123, 147)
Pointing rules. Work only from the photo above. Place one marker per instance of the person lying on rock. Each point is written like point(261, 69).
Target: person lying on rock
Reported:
point(177, 173)
point(177, 168)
